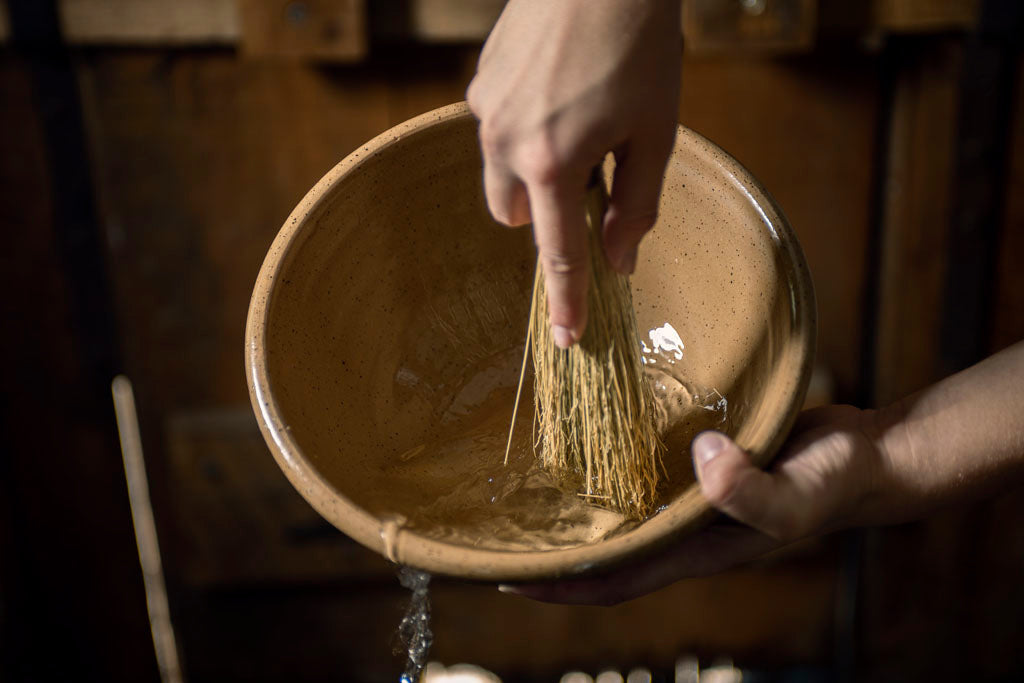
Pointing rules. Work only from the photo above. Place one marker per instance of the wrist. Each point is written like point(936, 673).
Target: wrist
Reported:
point(880, 501)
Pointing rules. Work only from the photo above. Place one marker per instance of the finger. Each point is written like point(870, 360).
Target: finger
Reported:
point(715, 549)
point(733, 485)
point(506, 195)
point(560, 230)
point(636, 191)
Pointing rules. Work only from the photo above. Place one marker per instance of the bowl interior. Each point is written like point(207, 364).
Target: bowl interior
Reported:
point(386, 335)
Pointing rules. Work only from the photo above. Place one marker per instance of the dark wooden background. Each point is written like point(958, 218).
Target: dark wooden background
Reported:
point(144, 170)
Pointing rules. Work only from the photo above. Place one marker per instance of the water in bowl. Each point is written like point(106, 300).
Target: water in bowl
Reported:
point(517, 505)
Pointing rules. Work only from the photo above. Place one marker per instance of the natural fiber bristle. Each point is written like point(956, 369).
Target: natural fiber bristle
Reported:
point(595, 418)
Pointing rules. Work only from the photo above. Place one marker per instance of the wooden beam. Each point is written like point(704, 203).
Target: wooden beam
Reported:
point(924, 16)
point(454, 21)
point(149, 22)
point(223, 22)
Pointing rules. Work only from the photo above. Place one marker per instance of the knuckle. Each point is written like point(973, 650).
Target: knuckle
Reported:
point(506, 200)
point(493, 140)
point(721, 488)
point(564, 264)
point(639, 224)
point(541, 162)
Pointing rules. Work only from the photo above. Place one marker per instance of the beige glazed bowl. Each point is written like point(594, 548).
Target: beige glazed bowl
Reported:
point(385, 336)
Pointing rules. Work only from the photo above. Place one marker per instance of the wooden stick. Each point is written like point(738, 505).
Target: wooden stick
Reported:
point(145, 532)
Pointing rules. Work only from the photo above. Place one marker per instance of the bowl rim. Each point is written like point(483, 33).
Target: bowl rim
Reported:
point(405, 546)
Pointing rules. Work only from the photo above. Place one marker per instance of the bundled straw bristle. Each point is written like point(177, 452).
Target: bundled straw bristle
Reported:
point(595, 417)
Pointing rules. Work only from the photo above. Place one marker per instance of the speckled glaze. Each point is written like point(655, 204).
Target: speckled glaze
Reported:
point(390, 274)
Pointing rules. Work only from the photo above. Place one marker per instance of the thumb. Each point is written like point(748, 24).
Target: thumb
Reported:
point(744, 492)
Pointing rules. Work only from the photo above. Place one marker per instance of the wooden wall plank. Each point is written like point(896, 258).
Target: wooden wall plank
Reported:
point(1008, 307)
point(945, 584)
point(915, 219)
point(69, 572)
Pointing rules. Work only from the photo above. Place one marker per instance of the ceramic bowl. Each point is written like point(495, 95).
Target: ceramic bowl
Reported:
point(385, 335)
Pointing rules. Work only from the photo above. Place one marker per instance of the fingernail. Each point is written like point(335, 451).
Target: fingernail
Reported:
point(707, 446)
point(627, 262)
point(564, 337)
point(506, 588)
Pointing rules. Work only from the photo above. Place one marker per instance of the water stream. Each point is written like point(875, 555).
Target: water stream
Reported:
point(414, 631)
